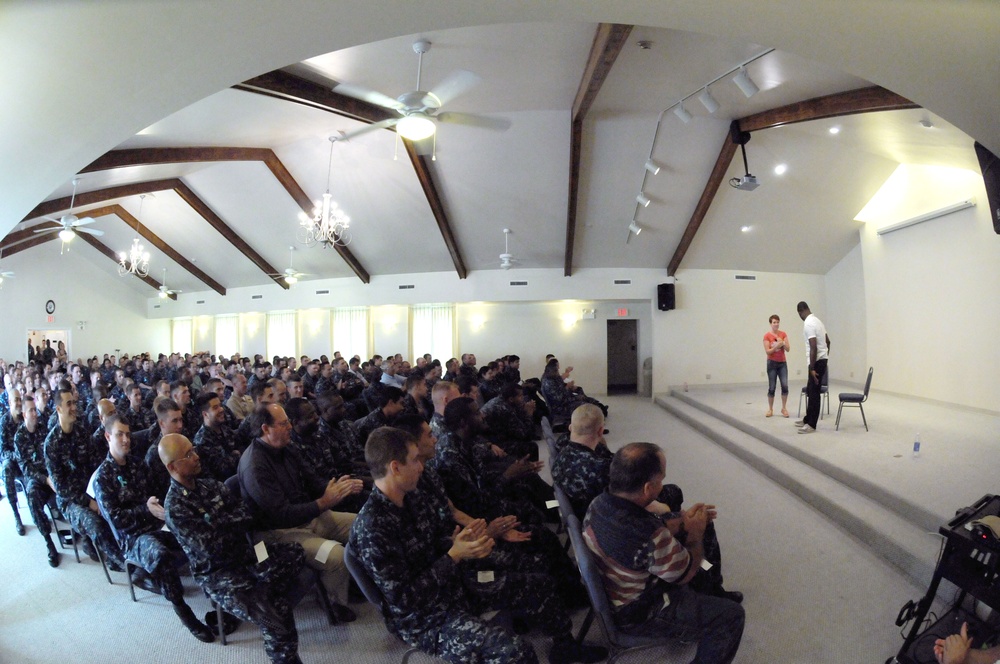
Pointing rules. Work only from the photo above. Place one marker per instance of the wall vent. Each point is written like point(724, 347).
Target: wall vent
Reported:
point(156, 306)
point(519, 283)
point(256, 297)
point(406, 287)
point(746, 277)
point(622, 282)
point(200, 302)
point(323, 292)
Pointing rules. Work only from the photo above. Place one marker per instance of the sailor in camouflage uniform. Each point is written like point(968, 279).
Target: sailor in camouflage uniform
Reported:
point(341, 436)
point(29, 450)
point(71, 459)
point(9, 423)
point(215, 441)
point(510, 422)
point(427, 569)
point(136, 518)
point(137, 415)
point(211, 525)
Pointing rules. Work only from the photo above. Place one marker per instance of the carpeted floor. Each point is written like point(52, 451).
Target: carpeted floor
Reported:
point(814, 594)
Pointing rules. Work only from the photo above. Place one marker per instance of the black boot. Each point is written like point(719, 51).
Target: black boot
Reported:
point(565, 650)
point(18, 526)
point(197, 628)
point(54, 556)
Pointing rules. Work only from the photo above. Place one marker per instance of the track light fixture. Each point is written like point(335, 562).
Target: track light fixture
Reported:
point(652, 167)
point(682, 113)
point(708, 101)
point(745, 83)
point(642, 200)
point(634, 227)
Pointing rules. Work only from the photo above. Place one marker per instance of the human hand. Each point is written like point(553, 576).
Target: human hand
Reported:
point(522, 467)
point(93, 506)
point(497, 450)
point(477, 528)
point(695, 520)
point(466, 547)
point(953, 649)
point(155, 508)
point(339, 489)
point(529, 407)
point(516, 536)
point(501, 525)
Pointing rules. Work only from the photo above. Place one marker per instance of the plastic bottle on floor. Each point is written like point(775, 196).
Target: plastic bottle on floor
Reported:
point(916, 446)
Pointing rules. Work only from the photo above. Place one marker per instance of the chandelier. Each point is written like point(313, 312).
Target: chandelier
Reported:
point(136, 259)
point(328, 224)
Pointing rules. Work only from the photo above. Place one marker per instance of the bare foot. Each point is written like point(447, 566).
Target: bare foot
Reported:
point(769, 413)
point(784, 412)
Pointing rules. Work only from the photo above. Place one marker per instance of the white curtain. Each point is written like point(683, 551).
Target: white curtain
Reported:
point(227, 334)
point(281, 334)
point(180, 337)
point(434, 330)
point(350, 332)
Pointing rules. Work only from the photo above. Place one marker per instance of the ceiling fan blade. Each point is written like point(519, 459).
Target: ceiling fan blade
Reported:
point(84, 221)
point(424, 146)
point(89, 231)
point(372, 127)
point(456, 83)
point(470, 120)
point(364, 94)
point(49, 230)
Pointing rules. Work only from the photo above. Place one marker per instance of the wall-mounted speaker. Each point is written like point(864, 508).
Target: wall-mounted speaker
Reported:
point(665, 297)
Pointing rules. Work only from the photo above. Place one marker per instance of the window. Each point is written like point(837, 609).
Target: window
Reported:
point(281, 334)
point(180, 336)
point(227, 334)
point(350, 332)
point(433, 330)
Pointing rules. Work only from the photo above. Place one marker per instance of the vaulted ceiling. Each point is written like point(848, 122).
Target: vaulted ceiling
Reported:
point(216, 189)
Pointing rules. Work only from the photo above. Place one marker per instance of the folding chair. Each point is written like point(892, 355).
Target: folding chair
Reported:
point(855, 399)
point(824, 395)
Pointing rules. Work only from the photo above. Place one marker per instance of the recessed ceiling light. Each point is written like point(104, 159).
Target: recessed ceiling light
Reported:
point(745, 229)
point(926, 123)
point(834, 130)
point(780, 169)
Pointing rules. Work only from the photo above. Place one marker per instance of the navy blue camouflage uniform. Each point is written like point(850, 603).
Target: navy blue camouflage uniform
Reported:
point(71, 458)
point(428, 603)
point(29, 451)
point(121, 495)
point(217, 450)
point(211, 525)
point(8, 463)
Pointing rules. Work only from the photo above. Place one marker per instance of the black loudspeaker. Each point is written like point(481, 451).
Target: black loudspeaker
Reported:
point(989, 163)
point(665, 297)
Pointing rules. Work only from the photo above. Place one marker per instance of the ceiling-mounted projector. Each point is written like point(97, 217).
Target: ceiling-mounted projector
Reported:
point(746, 183)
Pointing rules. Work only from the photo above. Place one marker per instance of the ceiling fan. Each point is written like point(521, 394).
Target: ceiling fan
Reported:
point(290, 275)
point(70, 224)
point(420, 111)
point(507, 259)
point(164, 291)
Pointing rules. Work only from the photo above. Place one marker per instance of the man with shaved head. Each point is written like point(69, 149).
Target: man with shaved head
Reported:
point(211, 525)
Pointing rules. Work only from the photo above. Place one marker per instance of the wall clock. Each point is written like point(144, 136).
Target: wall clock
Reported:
point(50, 307)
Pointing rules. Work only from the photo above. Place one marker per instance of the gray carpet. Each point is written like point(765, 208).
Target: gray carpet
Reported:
point(813, 593)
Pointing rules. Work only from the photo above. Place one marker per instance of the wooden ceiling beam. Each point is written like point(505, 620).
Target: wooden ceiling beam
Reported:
point(852, 102)
point(154, 156)
point(11, 249)
point(104, 249)
point(216, 222)
point(157, 242)
point(608, 42)
point(423, 169)
point(289, 87)
point(97, 196)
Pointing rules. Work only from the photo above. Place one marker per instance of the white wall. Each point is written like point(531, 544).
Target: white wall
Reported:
point(113, 312)
point(390, 325)
point(315, 332)
point(715, 335)
point(932, 293)
point(845, 319)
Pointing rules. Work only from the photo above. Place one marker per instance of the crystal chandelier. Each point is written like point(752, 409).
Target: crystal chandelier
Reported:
point(136, 260)
point(328, 224)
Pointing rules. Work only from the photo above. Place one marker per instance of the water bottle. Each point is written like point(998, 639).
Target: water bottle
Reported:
point(916, 446)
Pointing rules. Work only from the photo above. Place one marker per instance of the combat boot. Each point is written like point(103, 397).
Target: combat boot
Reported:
point(54, 556)
point(18, 526)
point(197, 628)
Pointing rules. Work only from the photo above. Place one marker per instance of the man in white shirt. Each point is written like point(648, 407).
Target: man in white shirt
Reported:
point(817, 352)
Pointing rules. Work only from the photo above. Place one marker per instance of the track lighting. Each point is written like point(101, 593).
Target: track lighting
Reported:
point(745, 83)
point(708, 101)
point(652, 167)
point(634, 227)
point(682, 113)
point(642, 200)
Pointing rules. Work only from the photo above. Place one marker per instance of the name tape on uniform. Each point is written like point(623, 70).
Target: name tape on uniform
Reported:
point(324, 551)
point(261, 550)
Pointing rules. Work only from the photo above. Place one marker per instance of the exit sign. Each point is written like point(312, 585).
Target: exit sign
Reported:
point(622, 312)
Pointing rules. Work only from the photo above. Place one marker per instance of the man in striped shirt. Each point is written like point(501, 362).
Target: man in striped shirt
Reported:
point(646, 570)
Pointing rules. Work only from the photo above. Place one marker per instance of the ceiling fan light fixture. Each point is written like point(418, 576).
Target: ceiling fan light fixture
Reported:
point(745, 83)
point(163, 294)
point(416, 127)
point(708, 101)
point(291, 280)
point(66, 235)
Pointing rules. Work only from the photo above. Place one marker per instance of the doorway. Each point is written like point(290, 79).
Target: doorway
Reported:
point(623, 358)
point(39, 337)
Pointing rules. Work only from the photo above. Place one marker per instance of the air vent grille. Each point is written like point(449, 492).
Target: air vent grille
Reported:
point(406, 287)
point(323, 292)
point(256, 297)
point(200, 302)
point(746, 277)
point(622, 282)
point(519, 283)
